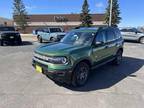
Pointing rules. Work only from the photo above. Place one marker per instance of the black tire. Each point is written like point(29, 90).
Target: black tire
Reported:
point(1, 43)
point(39, 39)
point(80, 74)
point(19, 42)
point(118, 58)
point(141, 40)
point(52, 39)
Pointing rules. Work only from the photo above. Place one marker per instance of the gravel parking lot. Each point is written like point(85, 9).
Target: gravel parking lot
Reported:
point(109, 86)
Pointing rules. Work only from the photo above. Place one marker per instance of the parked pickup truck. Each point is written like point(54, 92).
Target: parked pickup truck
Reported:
point(8, 35)
point(51, 34)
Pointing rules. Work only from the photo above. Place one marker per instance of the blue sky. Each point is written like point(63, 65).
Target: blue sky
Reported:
point(131, 10)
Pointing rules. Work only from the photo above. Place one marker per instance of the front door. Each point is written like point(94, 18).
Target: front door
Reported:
point(99, 49)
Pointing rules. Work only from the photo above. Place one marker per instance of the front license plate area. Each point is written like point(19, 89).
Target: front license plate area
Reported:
point(38, 69)
point(11, 37)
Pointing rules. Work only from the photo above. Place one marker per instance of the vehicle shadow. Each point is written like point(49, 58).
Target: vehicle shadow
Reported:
point(24, 43)
point(131, 41)
point(109, 75)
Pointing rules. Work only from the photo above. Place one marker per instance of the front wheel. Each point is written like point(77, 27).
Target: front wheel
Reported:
point(39, 39)
point(141, 40)
point(1, 43)
point(118, 58)
point(80, 75)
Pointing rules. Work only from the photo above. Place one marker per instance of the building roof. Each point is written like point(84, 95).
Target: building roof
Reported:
point(69, 17)
point(5, 20)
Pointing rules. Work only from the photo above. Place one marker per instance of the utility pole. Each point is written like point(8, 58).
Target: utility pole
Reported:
point(110, 17)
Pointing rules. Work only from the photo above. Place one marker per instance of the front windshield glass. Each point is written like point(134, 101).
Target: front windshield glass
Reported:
point(7, 29)
point(78, 38)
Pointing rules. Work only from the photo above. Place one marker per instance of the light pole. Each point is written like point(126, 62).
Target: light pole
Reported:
point(110, 17)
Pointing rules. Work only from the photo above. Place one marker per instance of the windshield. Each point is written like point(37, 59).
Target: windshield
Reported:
point(7, 29)
point(53, 30)
point(78, 38)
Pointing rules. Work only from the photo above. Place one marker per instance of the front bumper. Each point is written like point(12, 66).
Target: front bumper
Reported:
point(11, 40)
point(63, 76)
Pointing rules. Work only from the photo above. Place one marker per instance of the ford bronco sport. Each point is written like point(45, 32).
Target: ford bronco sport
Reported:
point(51, 34)
point(70, 60)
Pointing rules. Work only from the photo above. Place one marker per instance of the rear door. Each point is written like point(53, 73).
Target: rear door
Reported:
point(111, 42)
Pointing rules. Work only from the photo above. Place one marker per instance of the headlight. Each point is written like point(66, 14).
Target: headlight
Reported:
point(59, 60)
point(55, 60)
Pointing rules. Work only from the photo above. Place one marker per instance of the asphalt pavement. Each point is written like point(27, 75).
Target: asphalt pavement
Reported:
point(108, 87)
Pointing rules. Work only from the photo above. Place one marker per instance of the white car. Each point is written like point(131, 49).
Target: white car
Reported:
point(52, 34)
point(132, 34)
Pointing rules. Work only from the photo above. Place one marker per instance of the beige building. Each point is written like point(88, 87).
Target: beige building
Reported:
point(66, 21)
point(5, 22)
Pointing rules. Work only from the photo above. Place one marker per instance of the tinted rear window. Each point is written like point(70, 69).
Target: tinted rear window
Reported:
point(117, 33)
point(110, 35)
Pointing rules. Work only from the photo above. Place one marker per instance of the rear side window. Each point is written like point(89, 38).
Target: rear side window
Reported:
point(117, 33)
point(129, 30)
point(124, 30)
point(110, 35)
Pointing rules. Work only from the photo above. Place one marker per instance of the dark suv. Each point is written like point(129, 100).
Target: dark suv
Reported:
point(9, 35)
point(81, 50)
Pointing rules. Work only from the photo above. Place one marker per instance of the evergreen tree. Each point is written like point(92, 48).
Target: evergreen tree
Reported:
point(20, 14)
point(85, 17)
point(115, 13)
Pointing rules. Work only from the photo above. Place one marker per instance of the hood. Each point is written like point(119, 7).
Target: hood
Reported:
point(55, 49)
point(7, 32)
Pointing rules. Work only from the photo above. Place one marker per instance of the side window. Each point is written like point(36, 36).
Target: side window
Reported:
point(131, 30)
point(110, 35)
point(100, 37)
point(124, 30)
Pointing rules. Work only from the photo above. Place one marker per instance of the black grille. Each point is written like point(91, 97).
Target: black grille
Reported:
point(8, 35)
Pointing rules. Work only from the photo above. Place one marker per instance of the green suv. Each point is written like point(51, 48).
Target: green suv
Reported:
point(71, 60)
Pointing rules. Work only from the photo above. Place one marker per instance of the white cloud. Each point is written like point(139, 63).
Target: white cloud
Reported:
point(99, 5)
point(30, 7)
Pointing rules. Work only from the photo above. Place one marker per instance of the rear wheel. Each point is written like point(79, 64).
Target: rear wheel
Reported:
point(39, 39)
point(141, 40)
point(118, 58)
point(80, 75)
